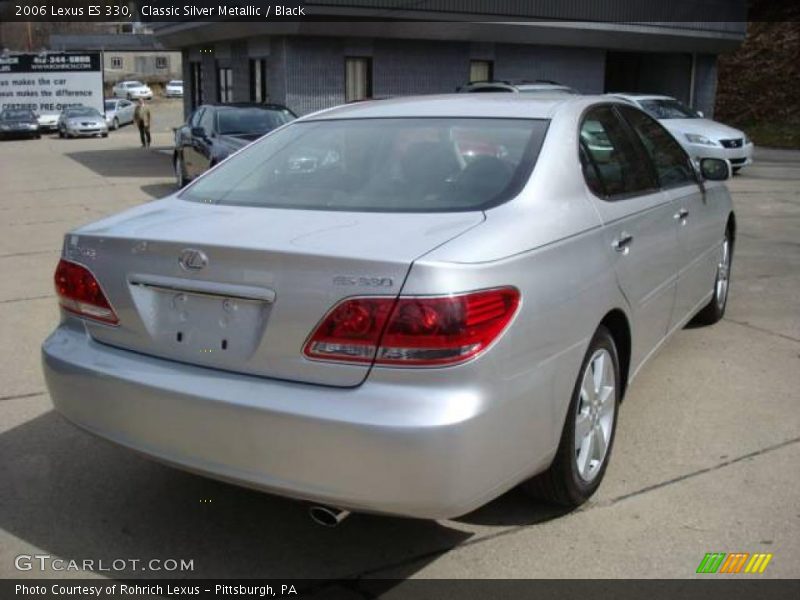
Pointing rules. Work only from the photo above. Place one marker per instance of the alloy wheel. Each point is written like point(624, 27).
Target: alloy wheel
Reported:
point(594, 417)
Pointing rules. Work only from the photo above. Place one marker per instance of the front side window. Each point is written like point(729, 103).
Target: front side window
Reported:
point(380, 165)
point(207, 121)
point(672, 163)
point(194, 120)
point(613, 155)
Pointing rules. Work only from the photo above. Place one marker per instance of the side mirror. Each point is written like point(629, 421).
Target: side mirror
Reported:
point(700, 114)
point(715, 169)
point(198, 132)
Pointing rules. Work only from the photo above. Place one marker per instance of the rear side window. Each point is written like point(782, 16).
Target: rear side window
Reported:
point(617, 162)
point(671, 162)
point(380, 165)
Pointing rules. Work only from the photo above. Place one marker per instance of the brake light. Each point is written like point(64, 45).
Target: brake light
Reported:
point(422, 331)
point(80, 293)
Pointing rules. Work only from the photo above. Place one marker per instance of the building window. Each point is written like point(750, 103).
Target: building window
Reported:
point(481, 70)
point(196, 76)
point(162, 63)
point(357, 79)
point(225, 83)
point(258, 80)
point(116, 62)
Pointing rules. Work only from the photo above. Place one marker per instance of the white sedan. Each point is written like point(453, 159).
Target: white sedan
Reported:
point(132, 90)
point(701, 137)
point(174, 89)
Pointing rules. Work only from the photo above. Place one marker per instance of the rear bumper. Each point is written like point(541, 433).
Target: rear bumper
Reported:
point(430, 451)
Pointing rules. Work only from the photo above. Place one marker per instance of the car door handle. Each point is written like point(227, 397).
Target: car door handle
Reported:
point(622, 243)
point(682, 215)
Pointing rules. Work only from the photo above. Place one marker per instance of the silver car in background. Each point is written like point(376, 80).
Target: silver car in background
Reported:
point(406, 307)
point(119, 112)
point(701, 137)
point(174, 89)
point(81, 121)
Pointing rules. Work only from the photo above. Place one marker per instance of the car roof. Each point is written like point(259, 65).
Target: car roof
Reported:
point(489, 105)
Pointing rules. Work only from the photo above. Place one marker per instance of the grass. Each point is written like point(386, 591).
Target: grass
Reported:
point(774, 135)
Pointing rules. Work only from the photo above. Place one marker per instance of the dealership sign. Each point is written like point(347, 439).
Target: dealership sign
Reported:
point(51, 82)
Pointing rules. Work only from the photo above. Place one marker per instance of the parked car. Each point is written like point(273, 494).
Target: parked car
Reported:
point(539, 86)
point(81, 121)
point(48, 120)
point(701, 137)
point(174, 89)
point(132, 90)
point(352, 312)
point(119, 112)
point(18, 122)
point(216, 130)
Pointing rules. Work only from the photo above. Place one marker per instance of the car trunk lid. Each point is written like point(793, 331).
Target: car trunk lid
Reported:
point(241, 288)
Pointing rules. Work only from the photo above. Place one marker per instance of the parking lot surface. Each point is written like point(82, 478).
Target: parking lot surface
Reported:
point(706, 455)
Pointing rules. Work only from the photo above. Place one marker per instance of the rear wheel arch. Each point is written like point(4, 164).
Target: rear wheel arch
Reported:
point(617, 324)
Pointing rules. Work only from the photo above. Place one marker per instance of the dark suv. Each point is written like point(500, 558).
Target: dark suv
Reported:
point(215, 131)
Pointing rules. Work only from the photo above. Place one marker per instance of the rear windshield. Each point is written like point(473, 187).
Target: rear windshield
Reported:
point(231, 121)
point(379, 165)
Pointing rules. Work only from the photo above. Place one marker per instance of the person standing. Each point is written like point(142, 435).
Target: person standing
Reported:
point(141, 117)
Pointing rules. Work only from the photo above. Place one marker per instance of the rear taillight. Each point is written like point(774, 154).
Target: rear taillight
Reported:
point(422, 331)
point(80, 293)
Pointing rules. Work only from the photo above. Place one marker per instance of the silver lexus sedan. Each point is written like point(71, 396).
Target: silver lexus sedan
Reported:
point(405, 306)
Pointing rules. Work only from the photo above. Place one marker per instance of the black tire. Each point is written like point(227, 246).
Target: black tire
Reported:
point(104, 135)
point(115, 124)
point(715, 309)
point(180, 176)
point(562, 484)
point(61, 134)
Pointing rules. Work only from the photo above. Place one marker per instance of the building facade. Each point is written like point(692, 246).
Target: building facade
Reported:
point(137, 56)
point(312, 65)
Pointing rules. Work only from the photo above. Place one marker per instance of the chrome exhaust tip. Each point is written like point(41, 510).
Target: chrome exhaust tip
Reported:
point(327, 516)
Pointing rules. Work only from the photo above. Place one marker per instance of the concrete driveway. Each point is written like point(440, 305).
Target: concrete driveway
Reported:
point(706, 456)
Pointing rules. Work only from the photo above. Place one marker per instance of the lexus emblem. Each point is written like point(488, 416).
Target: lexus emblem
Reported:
point(192, 259)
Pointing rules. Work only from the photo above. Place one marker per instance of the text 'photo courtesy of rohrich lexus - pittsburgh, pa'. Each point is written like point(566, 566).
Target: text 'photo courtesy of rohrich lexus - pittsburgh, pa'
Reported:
point(406, 306)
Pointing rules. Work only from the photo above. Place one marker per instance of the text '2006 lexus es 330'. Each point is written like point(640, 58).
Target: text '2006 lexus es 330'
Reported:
point(404, 306)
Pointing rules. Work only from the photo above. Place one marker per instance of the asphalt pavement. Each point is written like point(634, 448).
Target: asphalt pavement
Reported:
point(706, 456)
